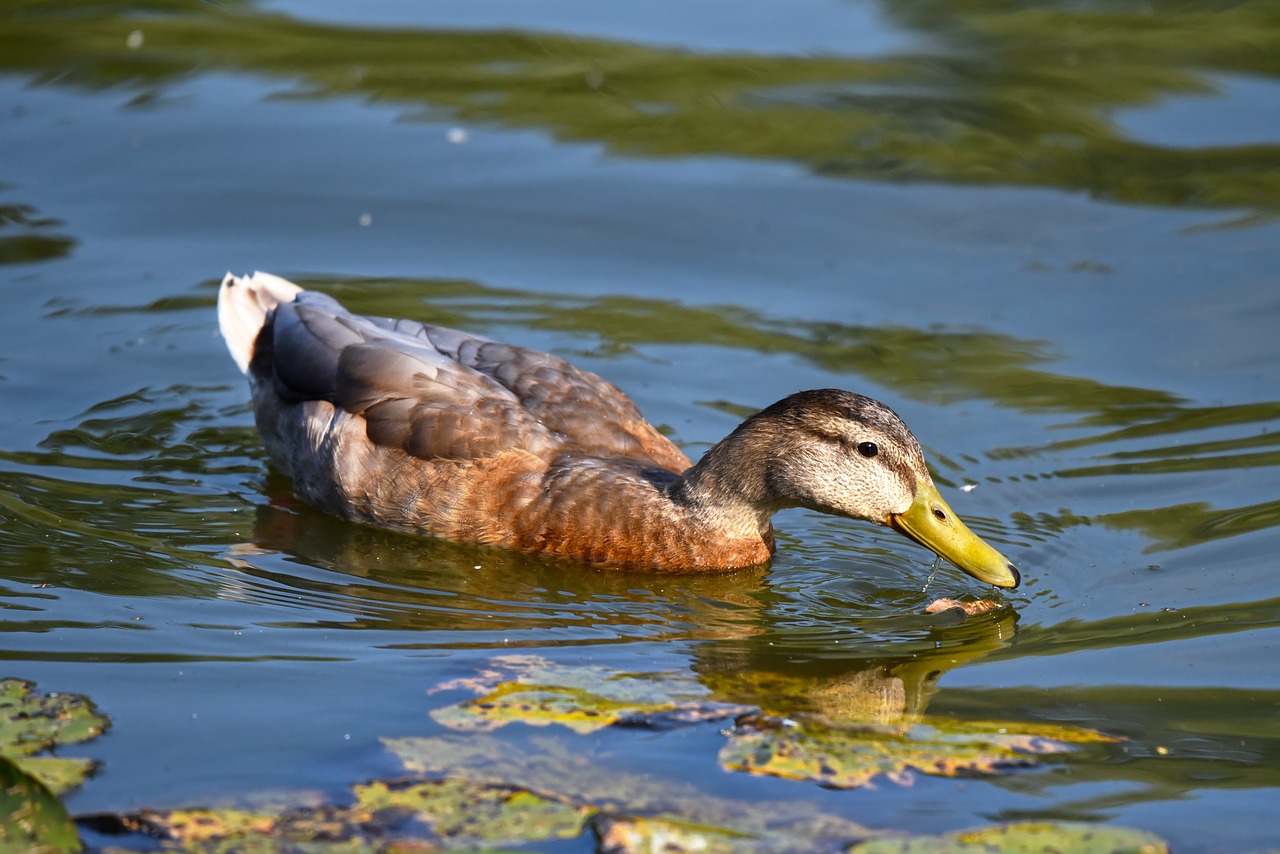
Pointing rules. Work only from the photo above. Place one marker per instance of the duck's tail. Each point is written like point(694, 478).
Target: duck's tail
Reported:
point(243, 305)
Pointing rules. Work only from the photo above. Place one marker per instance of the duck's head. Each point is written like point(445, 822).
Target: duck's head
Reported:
point(846, 454)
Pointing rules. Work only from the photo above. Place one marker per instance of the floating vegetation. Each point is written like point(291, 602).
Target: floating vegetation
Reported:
point(1023, 838)
point(406, 815)
point(465, 815)
point(624, 835)
point(532, 690)
point(846, 756)
point(31, 816)
point(473, 791)
point(833, 753)
point(31, 723)
point(628, 809)
point(470, 812)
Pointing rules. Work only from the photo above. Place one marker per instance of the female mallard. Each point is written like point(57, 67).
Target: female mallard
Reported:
point(432, 430)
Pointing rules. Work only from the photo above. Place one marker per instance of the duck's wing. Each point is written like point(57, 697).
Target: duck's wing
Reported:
point(593, 415)
point(410, 395)
point(437, 392)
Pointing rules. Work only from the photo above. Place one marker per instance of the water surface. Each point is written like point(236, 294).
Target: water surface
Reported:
point(1045, 235)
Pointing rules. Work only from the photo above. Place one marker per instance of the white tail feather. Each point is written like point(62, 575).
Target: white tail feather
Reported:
point(243, 304)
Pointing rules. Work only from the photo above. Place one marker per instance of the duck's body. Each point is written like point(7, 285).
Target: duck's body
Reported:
point(428, 429)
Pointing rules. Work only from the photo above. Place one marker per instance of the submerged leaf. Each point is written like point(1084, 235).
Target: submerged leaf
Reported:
point(1024, 838)
point(845, 756)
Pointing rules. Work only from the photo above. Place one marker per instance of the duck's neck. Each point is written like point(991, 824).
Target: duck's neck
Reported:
point(728, 489)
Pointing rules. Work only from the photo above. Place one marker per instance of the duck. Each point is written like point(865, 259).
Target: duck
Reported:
point(436, 431)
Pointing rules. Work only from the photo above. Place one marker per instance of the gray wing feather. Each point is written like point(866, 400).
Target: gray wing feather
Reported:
point(437, 392)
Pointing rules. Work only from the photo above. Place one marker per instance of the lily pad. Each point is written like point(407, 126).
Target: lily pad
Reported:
point(397, 816)
point(60, 774)
point(667, 806)
point(199, 825)
point(463, 811)
point(537, 670)
point(31, 722)
point(535, 691)
point(31, 818)
point(1024, 838)
point(223, 831)
point(617, 835)
point(845, 756)
point(536, 705)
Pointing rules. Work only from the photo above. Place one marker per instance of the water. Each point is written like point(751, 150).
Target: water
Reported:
point(1030, 243)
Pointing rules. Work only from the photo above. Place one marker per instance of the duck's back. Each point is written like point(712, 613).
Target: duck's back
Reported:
point(401, 423)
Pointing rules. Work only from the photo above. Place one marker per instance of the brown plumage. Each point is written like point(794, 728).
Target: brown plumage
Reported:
point(432, 430)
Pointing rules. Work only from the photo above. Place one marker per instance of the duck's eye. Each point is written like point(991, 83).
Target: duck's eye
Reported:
point(868, 449)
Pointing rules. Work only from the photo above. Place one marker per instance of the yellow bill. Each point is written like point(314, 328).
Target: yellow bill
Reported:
point(930, 522)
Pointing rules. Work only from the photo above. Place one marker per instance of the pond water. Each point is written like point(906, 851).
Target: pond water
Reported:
point(1045, 234)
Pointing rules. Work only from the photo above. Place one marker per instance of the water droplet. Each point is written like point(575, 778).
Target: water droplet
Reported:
point(933, 573)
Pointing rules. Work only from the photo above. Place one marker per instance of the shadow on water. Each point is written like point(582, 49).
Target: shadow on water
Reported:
point(1006, 94)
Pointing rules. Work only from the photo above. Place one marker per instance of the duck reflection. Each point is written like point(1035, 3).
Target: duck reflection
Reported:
point(888, 678)
point(745, 648)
